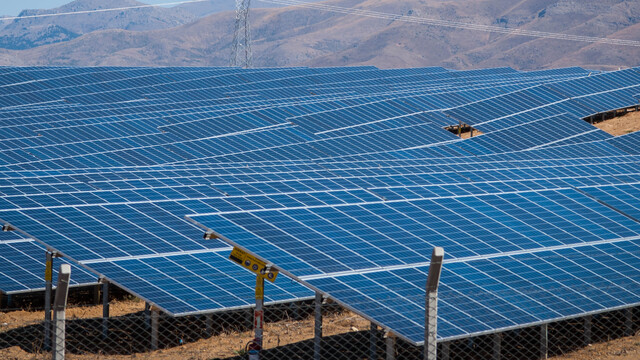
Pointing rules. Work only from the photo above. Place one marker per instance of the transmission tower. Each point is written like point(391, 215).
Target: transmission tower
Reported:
point(241, 48)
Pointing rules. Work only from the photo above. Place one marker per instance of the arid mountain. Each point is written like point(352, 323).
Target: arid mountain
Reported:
point(201, 9)
point(32, 32)
point(299, 36)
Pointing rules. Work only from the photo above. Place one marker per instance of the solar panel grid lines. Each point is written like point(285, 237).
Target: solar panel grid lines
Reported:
point(531, 211)
point(146, 192)
point(342, 171)
point(22, 266)
point(127, 271)
point(366, 166)
point(191, 282)
point(626, 143)
point(515, 200)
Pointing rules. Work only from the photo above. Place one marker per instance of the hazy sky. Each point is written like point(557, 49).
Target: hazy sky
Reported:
point(10, 7)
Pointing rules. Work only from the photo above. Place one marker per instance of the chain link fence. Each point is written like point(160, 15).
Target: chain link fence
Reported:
point(134, 330)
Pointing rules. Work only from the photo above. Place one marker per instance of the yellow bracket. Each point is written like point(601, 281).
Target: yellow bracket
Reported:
point(253, 264)
point(48, 271)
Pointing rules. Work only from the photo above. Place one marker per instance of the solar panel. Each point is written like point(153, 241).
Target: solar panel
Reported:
point(22, 267)
point(344, 177)
point(194, 282)
point(321, 243)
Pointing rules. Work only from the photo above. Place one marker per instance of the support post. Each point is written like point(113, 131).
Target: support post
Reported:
point(105, 309)
point(59, 307)
point(373, 342)
point(587, 329)
point(628, 321)
point(391, 346)
point(155, 319)
point(317, 339)
point(208, 318)
point(497, 346)
point(48, 289)
point(295, 310)
point(249, 314)
point(446, 350)
point(544, 341)
point(9, 301)
point(258, 317)
point(147, 315)
point(431, 306)
point(96, 293)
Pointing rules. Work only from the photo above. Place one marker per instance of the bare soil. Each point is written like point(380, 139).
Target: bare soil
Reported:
point(467, 135)
point(229, 344)
point(290, 335)
point(627, 348)
point(621, 125)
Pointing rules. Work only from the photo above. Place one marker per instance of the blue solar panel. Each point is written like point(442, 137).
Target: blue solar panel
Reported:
point(500, 292)
point(628, 142)
point(317, 242)
point(22, 266)
point(344, 169)
point(197, 282)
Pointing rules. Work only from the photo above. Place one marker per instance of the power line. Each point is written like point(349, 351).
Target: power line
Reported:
point(372, 14)
point(454, 24)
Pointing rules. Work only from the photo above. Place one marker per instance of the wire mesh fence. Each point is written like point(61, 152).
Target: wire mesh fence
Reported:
point(137, 331)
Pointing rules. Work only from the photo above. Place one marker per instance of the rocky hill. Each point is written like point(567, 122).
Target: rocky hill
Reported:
point(32, 32)
point(299, 36)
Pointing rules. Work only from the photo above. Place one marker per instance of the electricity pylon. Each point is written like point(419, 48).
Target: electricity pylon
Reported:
point(241, 48)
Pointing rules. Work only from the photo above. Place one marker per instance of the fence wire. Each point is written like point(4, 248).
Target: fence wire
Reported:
point(136, 331)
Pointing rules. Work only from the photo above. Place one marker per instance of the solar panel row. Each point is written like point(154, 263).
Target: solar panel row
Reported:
point(344, 178)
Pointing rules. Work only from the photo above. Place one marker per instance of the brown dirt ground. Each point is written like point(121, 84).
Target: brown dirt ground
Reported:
point(627, 348)
point(467, 135)
point(621, 125)
point(276, 334)
point(225, 345)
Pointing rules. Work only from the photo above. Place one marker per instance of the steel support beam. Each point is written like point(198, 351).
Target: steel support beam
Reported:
point(48, 289)
point(317, 334)
point(431, 305)
point(155, 320)
point(373, 342)
point(59, 307)
point(544, 341)
point(588, 320)
point(391, 346)
point(105, 309)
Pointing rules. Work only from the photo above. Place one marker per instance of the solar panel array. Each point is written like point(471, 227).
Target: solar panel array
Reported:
point(22, 266)
point(344, 178)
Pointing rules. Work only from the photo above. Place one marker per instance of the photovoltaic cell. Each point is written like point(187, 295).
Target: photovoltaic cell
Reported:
point(343, 177)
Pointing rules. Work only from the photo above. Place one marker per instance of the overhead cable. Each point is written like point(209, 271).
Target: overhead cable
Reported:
point(454, 24)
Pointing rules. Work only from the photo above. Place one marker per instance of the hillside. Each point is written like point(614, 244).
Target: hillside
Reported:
point(33, 32)
point(201, 9)
point(299, 36)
